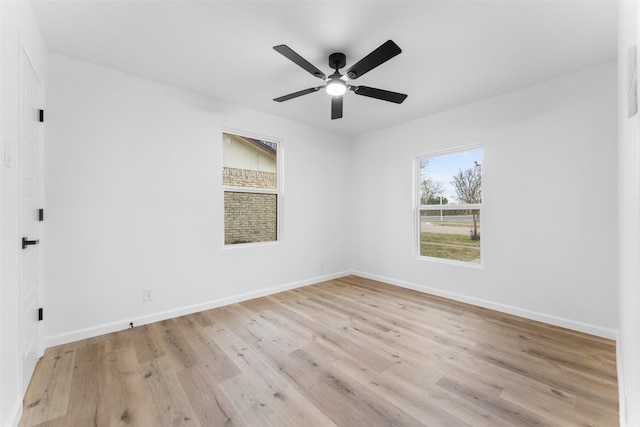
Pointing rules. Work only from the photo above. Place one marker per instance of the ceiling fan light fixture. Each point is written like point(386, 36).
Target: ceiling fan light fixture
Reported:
point(336, 87)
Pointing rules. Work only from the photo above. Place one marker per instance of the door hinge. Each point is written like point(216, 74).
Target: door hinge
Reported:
point(40, 215)
point(26, 242)
point(41, 116)
point(40, 314)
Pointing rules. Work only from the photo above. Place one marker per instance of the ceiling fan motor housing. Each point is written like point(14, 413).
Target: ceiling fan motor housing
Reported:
point(337, 60)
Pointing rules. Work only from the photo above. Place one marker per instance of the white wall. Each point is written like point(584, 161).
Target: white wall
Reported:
point(134, 199)
point(549, 218)
point(18, 30)
point(629, 229)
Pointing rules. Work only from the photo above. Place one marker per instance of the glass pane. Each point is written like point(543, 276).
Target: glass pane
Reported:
point(248, 162)
point(450, 234)
point(454, 178)
point(250, 217)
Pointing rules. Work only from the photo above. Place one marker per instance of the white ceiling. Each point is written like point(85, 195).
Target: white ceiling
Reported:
point(454, 52)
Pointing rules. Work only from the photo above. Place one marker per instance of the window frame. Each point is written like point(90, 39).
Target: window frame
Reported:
point(254, 190)
point(419, 208)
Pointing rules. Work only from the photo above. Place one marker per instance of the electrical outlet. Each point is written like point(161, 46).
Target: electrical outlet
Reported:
point(147, 294)
point(322, 264)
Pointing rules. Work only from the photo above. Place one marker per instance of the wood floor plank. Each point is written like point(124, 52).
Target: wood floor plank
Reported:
point(147, 343)
point(87, 400)
point(345, 352)
point(125, 394)
point(343, 400)
point(262, 329)
point(423, 384)
point(218, 364)
point(48, 395)
point(326, 325)
point(551, 374)
point(417, 405)
point(513, 414)
point(170, 403)
point(209, 403)
point(176, 347)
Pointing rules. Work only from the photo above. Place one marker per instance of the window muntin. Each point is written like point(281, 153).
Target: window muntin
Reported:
point(251, 191)
point(449, 200)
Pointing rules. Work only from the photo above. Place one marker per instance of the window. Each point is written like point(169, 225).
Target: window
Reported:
point(449, 200)
point(250, 180)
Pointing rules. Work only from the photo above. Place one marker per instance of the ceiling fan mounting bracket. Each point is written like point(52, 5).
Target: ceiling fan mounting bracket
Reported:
point(337, 60)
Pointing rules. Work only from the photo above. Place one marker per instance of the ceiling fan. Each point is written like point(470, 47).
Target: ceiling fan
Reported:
point(337, 84)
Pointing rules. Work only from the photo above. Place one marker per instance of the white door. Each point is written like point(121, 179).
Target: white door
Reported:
point(30, 140)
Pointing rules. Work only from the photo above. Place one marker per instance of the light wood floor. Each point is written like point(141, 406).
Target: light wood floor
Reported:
point(347, 352)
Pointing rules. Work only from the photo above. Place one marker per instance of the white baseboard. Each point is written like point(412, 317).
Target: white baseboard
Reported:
point(155, 317)
point(516, 311)
point(181, 311)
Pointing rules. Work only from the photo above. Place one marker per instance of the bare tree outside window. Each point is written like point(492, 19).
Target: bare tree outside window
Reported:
point(468, 186)
point(430, 190)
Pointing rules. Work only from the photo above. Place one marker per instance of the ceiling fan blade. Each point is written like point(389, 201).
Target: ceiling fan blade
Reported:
point(336, 107)
point(385, 95)
point(290, 54)
point(379, 56)
point(297, 94)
